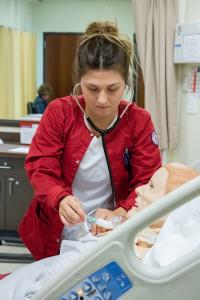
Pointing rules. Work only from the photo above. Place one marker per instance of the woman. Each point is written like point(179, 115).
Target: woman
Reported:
point(89, 152)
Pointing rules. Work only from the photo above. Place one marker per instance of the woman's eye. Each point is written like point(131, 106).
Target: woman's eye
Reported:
point(112, 89)
point(93, 89)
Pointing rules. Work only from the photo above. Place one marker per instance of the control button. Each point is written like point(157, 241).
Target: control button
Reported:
point(102, 287)
point(122, 284)
point(118, 278)
point(95, 278)
point(105, 276)
point(86, 286)
point(107, 296)
point(73, 296)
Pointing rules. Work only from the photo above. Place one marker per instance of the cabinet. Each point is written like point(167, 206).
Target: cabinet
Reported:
point(15, 192)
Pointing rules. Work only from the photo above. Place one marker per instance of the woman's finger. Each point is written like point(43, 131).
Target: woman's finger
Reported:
point(71, 215)
point(64, 221)
point(75, 206)
point(71, 210)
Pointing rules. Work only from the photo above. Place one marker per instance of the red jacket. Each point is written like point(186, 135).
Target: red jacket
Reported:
point(54, 156)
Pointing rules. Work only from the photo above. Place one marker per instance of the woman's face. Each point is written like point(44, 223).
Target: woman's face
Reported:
point(102, 91)
point(45, 97)
point(155, 189)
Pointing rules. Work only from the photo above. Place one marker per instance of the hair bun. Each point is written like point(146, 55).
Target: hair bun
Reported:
point(102, 27)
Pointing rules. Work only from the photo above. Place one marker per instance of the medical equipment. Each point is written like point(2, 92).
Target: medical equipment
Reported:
point(110, 270)
point(107, 224)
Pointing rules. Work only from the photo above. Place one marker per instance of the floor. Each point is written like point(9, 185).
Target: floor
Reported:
point(7, 267)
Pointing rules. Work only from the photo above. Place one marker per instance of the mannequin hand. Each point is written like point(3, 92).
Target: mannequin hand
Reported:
point(133, 211)
point(70, 211)
point(106, 214)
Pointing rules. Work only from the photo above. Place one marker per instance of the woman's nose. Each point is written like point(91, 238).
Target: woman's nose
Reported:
point(102, 98)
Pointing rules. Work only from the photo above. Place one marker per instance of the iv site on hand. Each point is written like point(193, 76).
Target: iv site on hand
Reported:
point(107, 224)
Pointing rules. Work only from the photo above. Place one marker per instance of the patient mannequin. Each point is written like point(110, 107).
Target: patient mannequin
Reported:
point(164, 180)
point(25, 282)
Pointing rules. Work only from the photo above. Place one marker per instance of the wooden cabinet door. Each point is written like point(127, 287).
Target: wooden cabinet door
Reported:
point(18, 196)
point(59, 52)
point(2, 202)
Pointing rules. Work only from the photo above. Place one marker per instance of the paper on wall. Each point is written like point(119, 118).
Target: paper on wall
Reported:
point(191, 48)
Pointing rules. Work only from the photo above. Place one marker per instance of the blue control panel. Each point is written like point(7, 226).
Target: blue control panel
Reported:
point(107, 283)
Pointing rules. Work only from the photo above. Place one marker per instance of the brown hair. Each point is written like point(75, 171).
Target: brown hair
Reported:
point(178, 174)
point(45, 89)
point(103, 47)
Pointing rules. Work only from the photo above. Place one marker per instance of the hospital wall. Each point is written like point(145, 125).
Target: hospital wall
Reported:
point(16, 14)
point(188, 147)
point(63, 16)
point(74, 16)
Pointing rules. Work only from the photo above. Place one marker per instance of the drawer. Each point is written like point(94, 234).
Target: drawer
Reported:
point(12, 166)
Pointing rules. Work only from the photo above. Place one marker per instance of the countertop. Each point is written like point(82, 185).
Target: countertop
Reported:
point(13, 150)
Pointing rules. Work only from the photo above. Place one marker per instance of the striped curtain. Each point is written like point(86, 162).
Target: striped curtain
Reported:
point(155, 23)
point(17, 71)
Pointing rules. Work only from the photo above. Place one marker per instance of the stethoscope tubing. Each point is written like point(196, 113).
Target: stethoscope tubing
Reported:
point(102, 132)
point(99, 130)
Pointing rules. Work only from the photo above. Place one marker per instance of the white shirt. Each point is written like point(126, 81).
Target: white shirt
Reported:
point(91, 184)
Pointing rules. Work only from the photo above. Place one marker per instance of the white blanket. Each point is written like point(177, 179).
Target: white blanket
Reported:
point(179, 235)
point(27, 281)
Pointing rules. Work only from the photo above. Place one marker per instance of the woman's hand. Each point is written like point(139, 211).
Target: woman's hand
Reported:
point(106, 214)
point(70, 211)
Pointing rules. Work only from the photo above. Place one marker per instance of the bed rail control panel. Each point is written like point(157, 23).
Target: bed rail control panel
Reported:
point(107, 283)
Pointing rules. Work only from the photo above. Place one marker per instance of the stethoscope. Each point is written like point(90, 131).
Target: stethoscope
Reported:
point(102, 132)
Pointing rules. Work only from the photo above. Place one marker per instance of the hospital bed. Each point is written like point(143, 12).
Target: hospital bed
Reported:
point(110, 270)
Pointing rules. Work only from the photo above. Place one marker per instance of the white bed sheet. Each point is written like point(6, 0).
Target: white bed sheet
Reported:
point(179, 235)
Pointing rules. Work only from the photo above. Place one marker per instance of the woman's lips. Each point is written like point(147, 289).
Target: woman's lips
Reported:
point(102, 107)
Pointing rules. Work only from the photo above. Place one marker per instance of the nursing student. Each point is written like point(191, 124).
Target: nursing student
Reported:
point(92, 149)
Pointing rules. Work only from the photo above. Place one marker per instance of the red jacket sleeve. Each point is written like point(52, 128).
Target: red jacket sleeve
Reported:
point(43, 162)
point(145, 156)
